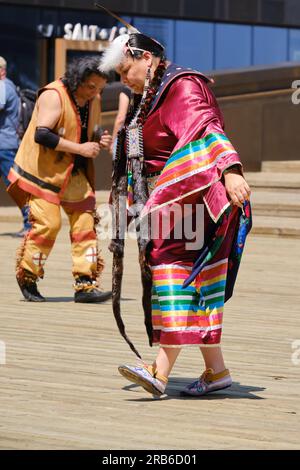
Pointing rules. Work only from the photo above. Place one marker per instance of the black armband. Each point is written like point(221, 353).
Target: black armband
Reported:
point(45, 136)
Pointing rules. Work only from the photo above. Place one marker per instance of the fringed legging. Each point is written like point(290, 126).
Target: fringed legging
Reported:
point(38, 243)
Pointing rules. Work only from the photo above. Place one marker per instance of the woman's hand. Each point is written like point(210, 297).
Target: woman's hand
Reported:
point(105, 141)
point(237, 187)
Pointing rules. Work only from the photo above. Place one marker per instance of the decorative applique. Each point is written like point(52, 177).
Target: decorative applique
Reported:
point(91, 254)
point(39, 259)
point(134, 136)
point(243, 230)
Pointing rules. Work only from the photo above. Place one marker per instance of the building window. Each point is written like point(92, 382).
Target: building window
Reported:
point(233, 46)
point(294, 45)
point(270, 45)
point(194, 44)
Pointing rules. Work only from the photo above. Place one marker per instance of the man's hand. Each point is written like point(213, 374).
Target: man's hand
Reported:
point(237, 188)
point(89, 149)
point(105, 141)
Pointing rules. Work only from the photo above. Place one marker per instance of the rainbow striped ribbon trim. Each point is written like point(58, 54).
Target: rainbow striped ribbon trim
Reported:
point(195, 157)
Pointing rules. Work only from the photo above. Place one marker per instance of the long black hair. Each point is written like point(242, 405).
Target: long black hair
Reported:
point(80, 69)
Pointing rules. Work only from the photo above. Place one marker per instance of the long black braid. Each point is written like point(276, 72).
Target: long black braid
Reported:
point(152, 90)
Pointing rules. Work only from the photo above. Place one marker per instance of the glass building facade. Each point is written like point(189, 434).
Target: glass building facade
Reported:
point(204, 45)
point(213, 46)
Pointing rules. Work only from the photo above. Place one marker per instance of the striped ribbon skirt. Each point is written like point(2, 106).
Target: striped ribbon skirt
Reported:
point(190, 316)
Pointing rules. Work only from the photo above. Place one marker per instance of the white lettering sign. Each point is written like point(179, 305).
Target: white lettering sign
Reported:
point(68, 31)
point(92, 32)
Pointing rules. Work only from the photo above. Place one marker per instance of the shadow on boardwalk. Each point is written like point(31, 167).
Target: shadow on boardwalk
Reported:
point(175, 386)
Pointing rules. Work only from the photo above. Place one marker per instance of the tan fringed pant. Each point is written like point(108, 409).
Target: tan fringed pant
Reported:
point(46, 223)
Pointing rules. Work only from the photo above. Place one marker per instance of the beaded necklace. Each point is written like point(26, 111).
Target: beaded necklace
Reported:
point(83, 112)
point(134, 128)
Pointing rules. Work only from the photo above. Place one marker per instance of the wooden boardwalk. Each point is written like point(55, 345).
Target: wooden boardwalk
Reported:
point(60, 388)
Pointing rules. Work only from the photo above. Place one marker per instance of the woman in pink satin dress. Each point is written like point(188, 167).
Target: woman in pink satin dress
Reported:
point(195, 182)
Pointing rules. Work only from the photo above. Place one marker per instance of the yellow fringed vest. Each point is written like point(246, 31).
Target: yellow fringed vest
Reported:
point(44, 172)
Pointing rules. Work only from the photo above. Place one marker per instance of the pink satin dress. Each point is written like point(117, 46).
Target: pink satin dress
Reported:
point(187, 113)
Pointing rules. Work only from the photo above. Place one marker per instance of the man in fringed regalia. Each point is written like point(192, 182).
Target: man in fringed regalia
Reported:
point(54, 167)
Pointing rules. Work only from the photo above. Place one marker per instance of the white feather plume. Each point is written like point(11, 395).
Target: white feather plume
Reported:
point(113, 55)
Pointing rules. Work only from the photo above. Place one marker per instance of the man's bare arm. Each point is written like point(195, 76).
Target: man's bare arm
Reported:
point(49, 110)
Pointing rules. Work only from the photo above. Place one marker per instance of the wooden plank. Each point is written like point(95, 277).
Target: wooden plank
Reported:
point(60, 388)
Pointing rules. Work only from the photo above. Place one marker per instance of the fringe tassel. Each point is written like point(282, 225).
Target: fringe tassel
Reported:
point(22, 274)
point(100, 260)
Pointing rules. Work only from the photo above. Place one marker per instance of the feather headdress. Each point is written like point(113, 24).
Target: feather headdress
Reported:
point(130, 28)
point(114, 54)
